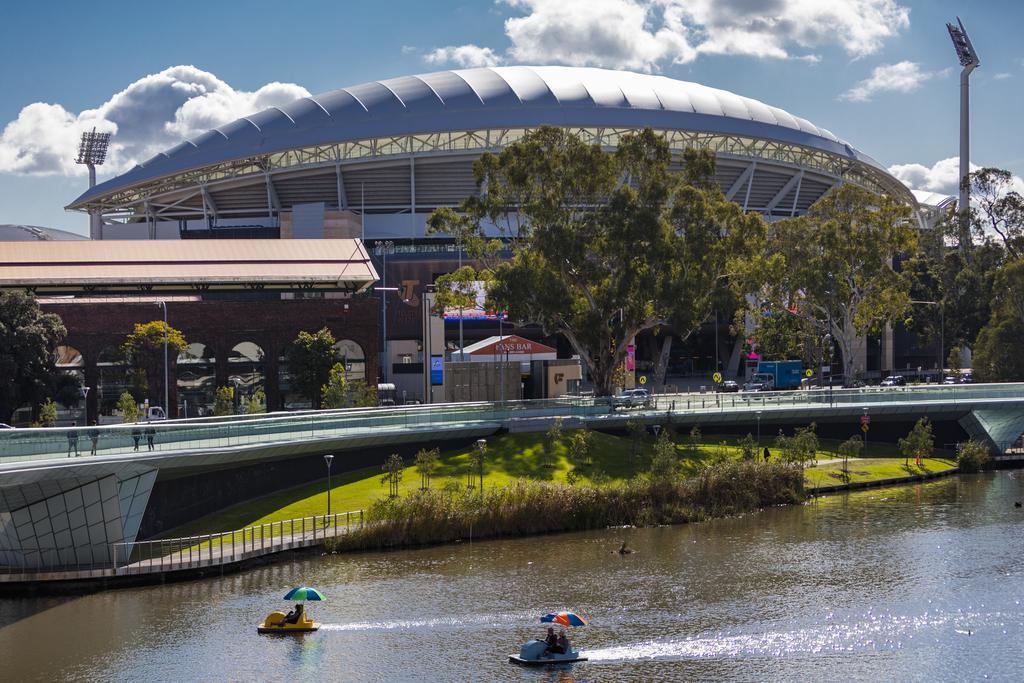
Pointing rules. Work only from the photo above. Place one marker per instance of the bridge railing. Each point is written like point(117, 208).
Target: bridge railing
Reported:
point(227, 547)
point(234, 431)
point(186, 552)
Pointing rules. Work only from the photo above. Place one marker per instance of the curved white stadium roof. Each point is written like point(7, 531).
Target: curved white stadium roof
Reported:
point(486, 98)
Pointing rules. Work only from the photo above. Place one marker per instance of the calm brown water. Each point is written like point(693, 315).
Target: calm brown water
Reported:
point(916, 583)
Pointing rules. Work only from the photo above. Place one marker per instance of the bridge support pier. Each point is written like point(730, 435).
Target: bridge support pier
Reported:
point(58, 520)
point(998, 427)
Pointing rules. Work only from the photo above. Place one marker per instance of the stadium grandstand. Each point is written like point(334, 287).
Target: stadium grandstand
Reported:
point(393, 150)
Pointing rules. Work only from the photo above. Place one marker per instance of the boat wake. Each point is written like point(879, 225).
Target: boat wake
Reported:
point(452, 622)
point(875, 633)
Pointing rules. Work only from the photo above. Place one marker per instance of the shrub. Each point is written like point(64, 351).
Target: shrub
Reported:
point(257, 403)
point(664, 464)
point(550, 449)
point(748, 445)
point(224, 401)
point(128, 408)
point(426, 463)
point(972, 456)
point(48, 413)
point(918, 443)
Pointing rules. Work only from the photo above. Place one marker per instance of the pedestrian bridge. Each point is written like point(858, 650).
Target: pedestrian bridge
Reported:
point(68, 495)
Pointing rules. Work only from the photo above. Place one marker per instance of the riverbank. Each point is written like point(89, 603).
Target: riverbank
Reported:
point(526, 508)
point(616, 459)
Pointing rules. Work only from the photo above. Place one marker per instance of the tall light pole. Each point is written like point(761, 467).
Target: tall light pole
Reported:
point(167, 393)
point(328, 459)
point(92, 152)
point(942, 333)
point(969, 61)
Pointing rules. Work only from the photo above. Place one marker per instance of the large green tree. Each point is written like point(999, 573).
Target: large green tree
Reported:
point(28, 341)
point(997, 210)
point(310, 359)
point(997, 355)
point(598, 246)
point(961, 281)
point(143, 348)
point(832, 268)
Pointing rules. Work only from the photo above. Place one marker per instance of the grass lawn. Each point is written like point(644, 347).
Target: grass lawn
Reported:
point(515, 456)
point(873, 469)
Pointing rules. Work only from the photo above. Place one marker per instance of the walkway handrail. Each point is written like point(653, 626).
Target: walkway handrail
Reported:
point(231, 432)
point(227, 547)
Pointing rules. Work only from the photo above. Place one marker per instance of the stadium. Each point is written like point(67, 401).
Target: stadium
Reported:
point(373, 160)
point(396, 149)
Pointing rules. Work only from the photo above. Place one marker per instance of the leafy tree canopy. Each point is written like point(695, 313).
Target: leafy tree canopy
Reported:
point(832, 267)
point(143, 348)
point(310, 359)
point(598, 246)
point(28, 340)
point(997, 211)
point(997, 354)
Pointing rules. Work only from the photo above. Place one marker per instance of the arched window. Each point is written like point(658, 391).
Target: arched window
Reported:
point(351, 354)
point(197, 380)
point(246, 370)
point(113, 378)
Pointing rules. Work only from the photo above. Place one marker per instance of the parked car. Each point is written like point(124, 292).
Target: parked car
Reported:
point(755, 386)
point(894, 381)
point(966, 378)
point(949, 379)
point(631, 398)
point(729, 386)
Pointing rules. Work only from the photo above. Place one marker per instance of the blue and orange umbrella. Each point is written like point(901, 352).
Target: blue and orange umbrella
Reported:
point(564, 619)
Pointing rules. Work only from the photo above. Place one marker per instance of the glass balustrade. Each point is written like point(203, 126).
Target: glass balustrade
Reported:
point(381, 424)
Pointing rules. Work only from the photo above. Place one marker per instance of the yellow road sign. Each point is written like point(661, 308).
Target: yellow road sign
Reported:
point(643, 380)
point(808, 373)
point(717, 377)
point(864, 428)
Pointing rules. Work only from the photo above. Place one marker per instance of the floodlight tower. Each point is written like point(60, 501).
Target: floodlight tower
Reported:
point(92, 151)
point(969, 61)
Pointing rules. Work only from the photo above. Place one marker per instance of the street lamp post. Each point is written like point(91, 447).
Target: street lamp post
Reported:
point(328, 459)
point(481, 448)
point(85, 399)
point(383, 249)
point(167, 393)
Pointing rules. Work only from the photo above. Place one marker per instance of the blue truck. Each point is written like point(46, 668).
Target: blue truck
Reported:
point(777, 374)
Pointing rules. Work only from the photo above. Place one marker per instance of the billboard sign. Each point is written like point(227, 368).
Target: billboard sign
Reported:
point(476, 312)
point(630, 358)
point(437, 371)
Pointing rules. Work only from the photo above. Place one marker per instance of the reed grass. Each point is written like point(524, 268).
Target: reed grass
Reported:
point(526, 507)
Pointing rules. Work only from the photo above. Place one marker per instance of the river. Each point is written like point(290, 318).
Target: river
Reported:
point(922, 582)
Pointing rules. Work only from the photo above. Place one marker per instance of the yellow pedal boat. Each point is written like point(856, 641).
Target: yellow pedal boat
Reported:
point(278, 622)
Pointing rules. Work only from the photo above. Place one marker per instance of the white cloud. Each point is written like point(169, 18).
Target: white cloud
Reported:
point(899, 77)
point(150, 115)
point(942, 176)
point(646, 34)
point(1002, 76)
point(463, 55)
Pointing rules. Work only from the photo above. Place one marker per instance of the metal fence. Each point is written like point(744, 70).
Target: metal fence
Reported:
point(176, 554)
point(228, 547)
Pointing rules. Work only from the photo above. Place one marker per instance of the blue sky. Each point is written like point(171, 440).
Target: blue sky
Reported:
point(806, 56)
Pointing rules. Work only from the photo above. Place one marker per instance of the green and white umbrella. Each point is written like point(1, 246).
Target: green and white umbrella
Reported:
point(304, 593)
